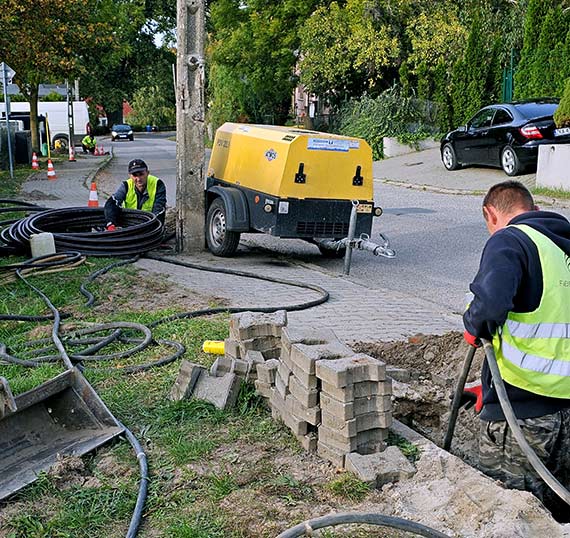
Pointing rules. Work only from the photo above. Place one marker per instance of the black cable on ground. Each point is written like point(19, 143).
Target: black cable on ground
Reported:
point(512, 421)
point(457, 395)
point(307, 527)
point(82, 229)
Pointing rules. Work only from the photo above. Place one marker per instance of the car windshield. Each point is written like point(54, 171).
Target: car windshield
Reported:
point(537, 110)
point(121, 127)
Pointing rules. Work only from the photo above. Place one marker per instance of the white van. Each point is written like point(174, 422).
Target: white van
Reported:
point(56, 113)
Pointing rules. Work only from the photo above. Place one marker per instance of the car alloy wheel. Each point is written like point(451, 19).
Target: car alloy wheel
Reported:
point(449, 157)
point(510, 161)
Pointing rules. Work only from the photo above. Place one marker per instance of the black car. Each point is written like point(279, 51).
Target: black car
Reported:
point(505, 135)
point(122, 131)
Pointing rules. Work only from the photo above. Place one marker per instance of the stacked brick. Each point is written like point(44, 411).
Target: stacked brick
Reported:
point(335, 401)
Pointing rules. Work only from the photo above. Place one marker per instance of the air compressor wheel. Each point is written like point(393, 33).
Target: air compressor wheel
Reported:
point(221, 241)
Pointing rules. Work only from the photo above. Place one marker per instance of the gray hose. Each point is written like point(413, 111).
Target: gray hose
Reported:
point(512, 421)
point(306, 528)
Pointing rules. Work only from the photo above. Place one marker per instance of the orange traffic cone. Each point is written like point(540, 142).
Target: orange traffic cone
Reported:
point(97, 151)
point(35, 162)
point(71, 154)
point(51, 172)
point(93, 198)
point(101, 150)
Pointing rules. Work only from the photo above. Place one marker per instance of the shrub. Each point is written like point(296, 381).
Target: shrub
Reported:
point(562, 113)
point(389, 114)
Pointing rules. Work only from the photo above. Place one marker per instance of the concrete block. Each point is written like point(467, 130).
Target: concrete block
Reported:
point(360, 406)
point(336, 457)
point(306, 397)
point(280, 411)
point(188, 375)
point(265, 344)
point(273, 353)
point(308, 442)
point(281, 386)
point(306, 335)
point(253, 358)
point(351, 370)
point(283, 371)
point(221, 391)
point(266, 371)
point(552, 170)
point(231, 348)
point(350, 392)
point(350, 428)
point(263, 389)
point(247, 325)
point(309, 381)
point(336, 440)
point(306, 356)
point(312, 415)
point(225, 365)
point(380, 468)
point(371, 441)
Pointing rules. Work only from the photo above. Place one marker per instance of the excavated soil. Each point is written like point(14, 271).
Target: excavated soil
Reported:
point(424, 370)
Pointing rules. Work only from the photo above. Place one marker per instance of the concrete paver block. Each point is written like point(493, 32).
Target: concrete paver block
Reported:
point(350, 428)
point(306, 335)
point(281, 385)
point(221, 391)
point(309, 381)
point(355, 369)
point(225, 365)
point(305, 356)
point(309, 441)
point(188, 375)
point(312, 415)
point(306, 397)
point(263, 389)
point(360, 406)
point(336, 457)
point(247, 325)
point(348, 393)
point(380, 468)
point(265, 344)
point(231, 349)
point(284, 372)
point(266, 371)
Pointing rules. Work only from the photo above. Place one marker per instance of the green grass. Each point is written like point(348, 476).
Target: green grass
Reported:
point(559, 194)
point(349, 486)
point(411, 451)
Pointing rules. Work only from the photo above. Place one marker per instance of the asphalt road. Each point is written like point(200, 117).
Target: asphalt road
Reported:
point(437, 236)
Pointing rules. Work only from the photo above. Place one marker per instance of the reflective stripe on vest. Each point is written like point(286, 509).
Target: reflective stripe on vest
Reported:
point(131, 198)
point(533, 348)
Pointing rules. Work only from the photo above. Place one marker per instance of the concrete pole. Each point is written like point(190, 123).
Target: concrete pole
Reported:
point(7, 112)
point(190, 112)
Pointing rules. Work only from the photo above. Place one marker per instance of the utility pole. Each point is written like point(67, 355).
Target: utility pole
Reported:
point(190, 115)
point(8, 73)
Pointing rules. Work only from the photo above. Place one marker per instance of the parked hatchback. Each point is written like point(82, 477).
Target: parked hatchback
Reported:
point(505, 135)
point(122, 131)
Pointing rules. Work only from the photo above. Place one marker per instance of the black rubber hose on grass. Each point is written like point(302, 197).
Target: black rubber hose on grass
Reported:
point(307, 527)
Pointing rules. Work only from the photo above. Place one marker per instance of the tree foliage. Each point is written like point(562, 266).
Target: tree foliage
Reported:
point(562, 113)
point(152, 106)
point(49, 41)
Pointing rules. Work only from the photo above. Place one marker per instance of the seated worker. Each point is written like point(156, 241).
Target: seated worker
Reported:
point(140, 191)
point(88, 144)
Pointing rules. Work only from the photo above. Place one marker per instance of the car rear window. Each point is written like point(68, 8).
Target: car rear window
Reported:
point(537, 110)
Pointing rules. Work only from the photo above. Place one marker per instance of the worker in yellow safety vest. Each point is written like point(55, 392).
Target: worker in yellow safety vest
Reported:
point(88, 144)
point(140, 191)
point(521, 301)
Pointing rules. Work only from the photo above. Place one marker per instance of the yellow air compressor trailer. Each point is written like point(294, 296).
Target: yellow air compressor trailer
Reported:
point(290, 183)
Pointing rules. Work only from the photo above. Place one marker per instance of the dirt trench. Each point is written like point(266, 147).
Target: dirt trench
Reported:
point(425, 369)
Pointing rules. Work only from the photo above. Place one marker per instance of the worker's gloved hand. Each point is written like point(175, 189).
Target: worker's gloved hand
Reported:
point(472, 395)
point(471, 340)
point(110, 227)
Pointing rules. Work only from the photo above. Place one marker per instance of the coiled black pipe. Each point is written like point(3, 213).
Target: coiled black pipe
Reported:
point(306, 528)
point(82, 229)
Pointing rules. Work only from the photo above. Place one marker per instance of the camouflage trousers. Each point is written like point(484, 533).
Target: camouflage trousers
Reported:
point(500, 456)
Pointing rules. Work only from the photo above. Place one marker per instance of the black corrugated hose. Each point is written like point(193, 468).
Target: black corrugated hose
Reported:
point(82, 229)
point(13, 206)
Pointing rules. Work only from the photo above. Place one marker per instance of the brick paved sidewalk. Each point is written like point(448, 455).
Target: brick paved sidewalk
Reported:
point(354, 311)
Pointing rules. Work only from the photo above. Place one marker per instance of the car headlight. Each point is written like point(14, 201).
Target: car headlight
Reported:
point(114, 133)
point(130, 132)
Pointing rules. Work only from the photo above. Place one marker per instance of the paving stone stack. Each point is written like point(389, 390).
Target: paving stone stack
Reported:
point(333, 400)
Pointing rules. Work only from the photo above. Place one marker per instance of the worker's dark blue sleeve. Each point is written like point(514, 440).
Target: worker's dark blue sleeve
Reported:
point(159, 198)
point(496, 284)
point(113, 204)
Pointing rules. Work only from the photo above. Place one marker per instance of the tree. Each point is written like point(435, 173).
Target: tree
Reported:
point(46, 41)
point(345, 50)
point(252, 56)
point(152, 106)
point(562, 113)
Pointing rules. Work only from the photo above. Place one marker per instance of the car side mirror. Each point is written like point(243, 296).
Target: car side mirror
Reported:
point(463, 128)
